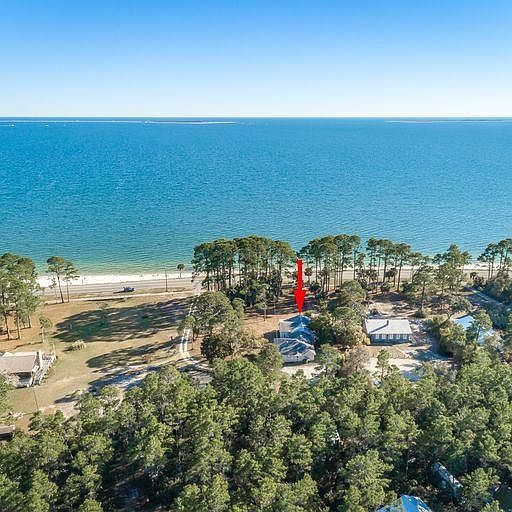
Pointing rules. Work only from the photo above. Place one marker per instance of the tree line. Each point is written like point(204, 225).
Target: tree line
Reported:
point(20, 293)
point(379, 265)
point(254, 269)
point(224, 264)
point(498, 257)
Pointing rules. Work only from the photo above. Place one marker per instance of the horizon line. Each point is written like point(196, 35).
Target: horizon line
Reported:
point(188, 116)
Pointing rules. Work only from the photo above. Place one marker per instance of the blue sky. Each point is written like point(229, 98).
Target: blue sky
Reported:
point(261, 58)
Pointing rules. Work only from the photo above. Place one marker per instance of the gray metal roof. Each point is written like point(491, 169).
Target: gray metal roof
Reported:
point(20, 362)
point(387, 326)
point(6, 429)
point(293, 346)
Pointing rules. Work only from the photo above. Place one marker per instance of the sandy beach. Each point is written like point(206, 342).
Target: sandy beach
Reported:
point(114, 283)
point(93, 279)
point(101, 283)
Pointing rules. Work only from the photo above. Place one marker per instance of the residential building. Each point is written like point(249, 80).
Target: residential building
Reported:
point(406, 504)
point(296, 340)
point(467, 320)
point(25, 368)
point(296, 326)
point(446, 481)
point(294, 350)
point(388, 330)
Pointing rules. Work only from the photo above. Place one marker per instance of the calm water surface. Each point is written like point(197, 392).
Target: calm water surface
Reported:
point(135, 196)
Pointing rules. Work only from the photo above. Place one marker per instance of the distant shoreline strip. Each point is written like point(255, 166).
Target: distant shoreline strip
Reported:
point(435, 121)
point(12, 122)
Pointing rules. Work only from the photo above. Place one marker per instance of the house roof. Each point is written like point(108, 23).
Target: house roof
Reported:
point(294, 322)
point(303, 331)
point(19, 362)
point(406, 504)
point(6, 429)
point(297, 327)
point(387, 326)
point(299, 319)
point(466, 322)
point(293, 346)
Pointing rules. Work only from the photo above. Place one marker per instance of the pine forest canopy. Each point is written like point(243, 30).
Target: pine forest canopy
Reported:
point(255, 439)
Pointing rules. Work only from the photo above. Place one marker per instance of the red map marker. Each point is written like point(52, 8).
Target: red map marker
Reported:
point(299, 293)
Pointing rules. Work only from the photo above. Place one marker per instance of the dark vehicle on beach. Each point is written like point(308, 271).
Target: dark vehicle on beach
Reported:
point(128, 289)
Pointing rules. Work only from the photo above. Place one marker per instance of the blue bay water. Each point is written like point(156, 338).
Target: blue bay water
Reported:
point(137, 196)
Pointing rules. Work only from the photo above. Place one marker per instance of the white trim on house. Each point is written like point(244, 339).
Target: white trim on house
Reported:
point(295, 340)
point(387, 326)
point(395, 330)
point(25, 368)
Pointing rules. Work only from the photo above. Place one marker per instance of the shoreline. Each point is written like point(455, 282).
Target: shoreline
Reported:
point(45, 281)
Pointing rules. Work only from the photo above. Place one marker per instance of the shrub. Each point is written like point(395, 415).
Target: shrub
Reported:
point(77, 345)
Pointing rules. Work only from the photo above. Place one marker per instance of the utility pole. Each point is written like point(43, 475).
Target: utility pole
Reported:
point(35, 397)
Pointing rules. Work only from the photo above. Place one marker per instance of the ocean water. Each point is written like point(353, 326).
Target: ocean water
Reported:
point(133, 195)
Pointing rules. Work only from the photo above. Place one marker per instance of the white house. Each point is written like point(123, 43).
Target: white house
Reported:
point(295, 350)
point(296, 326)
point(388, 330)
point(25, 368)
point(296, 340)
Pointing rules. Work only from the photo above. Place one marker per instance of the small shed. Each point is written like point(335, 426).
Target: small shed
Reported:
point(6, 432)
point(388, 330)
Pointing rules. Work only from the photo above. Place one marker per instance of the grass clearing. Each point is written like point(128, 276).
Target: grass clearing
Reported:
point(118, 334)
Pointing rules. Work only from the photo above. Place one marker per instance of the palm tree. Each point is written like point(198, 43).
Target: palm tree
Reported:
point(181, 268)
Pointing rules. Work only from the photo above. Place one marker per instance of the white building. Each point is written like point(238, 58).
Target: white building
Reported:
point(388, 330)
point(295, 350)
point(25, 368)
